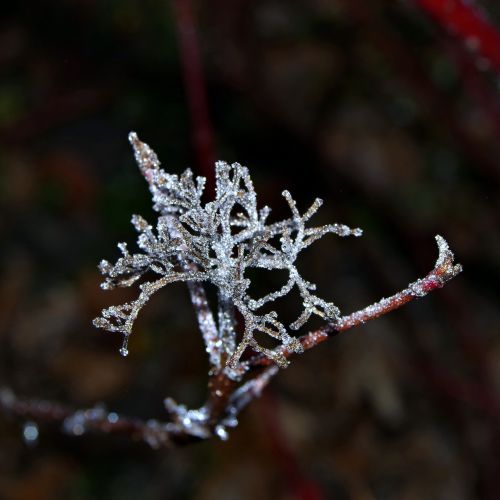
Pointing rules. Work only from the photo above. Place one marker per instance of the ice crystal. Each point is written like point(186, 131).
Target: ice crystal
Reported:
point(217, 242)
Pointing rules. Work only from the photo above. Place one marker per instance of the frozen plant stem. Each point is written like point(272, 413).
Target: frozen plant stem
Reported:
point(444, 270)
point(216, 243)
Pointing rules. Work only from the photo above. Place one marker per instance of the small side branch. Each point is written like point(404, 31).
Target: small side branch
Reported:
point(206, 322)
point(444, 270)
point(227, 322)
point(204, 315)
point(97, 419)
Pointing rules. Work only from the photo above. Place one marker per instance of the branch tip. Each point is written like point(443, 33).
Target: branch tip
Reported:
point(132, 138)
point(445, 268)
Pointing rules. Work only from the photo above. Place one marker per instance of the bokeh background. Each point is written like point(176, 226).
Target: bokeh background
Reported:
point(389, 114)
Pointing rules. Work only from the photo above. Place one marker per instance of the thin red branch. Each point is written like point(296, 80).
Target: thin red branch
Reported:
point(414, 75)
point(468, 23)
point(203, 137)
point(92, 419)
point(444, 270)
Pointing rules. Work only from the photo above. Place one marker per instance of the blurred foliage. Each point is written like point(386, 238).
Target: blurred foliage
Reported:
point(370, 105)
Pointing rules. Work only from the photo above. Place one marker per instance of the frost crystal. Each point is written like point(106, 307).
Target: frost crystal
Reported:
point(217, 242)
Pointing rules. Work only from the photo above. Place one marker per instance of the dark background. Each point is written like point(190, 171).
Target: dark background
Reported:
point(373, 106)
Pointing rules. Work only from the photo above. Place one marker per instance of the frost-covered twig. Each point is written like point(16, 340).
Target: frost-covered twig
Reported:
point(217, 242)
point(444, 270)
point(95, 420)
point(226, 399)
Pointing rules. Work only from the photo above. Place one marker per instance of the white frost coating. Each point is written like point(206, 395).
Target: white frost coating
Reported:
point(445, 260)
point(247, 392)
point(217, 242)
point(191, 422)
point(444, 270)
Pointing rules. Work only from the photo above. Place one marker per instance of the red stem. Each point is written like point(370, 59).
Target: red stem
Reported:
point(443, 272)
point(202, 131)
point(467, 22)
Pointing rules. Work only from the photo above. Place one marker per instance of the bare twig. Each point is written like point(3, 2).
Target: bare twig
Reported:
point(97, 419)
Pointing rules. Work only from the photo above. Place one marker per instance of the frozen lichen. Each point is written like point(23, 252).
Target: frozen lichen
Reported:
point(217, 242)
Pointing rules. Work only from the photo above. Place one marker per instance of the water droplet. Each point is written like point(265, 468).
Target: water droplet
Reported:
point(124, 348)
point(30, 433)
point(221, 433)
point(112, 417)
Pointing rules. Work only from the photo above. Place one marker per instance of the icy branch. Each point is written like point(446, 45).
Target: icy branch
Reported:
point(217, 242)
point(444, 270)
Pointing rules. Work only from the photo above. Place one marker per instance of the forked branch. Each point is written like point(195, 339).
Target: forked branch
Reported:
point(226, 396)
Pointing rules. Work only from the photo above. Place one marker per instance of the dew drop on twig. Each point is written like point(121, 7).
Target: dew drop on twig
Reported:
point(124, 348)
point(221, 433)
point(30, 433)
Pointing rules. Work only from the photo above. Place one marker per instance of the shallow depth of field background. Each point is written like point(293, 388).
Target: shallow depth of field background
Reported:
point(373, 106)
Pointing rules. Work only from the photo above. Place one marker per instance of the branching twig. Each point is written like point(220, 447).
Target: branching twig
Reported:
point(226, 397)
